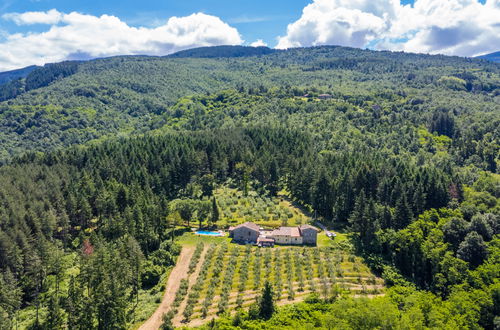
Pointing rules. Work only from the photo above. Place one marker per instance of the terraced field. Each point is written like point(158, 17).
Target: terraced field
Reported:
point(224, 277)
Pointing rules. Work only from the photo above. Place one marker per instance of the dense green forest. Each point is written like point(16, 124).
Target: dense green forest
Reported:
point(403, 153)
point(87, 101)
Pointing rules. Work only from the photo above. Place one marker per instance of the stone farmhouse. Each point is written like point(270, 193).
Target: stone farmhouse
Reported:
point(246, 232)
point(250, 232)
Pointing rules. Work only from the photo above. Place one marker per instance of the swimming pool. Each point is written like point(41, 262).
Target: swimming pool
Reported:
point(209, 233)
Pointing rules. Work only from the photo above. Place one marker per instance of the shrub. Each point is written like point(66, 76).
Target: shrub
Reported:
point(181, 292)
point(195, 258)
point(188, 312)
point(150, 275)
point(257, 269)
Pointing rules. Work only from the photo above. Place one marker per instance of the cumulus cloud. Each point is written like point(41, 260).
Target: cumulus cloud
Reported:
point(453, 27)
point(34, 17)
point(80, 36)
point(258, 43)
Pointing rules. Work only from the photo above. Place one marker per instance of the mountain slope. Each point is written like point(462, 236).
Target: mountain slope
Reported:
point(493, 57)
point(134, 94)
point(397, 152)
point(7, 76)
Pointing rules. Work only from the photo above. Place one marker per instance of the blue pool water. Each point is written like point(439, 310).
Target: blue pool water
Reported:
point(208, 233)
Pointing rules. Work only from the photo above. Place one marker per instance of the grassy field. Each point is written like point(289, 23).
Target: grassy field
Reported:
point(231, 276)
point(193, 239)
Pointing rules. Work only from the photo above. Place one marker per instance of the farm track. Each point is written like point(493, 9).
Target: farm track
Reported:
point(192, 279)
point(178, 272)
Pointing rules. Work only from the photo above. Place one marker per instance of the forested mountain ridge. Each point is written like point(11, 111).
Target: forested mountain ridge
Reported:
point(494, 57)
point(7, 76)
point(124, 95)
point(401, 150)
point(224, 51)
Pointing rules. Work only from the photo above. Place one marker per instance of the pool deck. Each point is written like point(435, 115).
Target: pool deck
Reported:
point(210, 233)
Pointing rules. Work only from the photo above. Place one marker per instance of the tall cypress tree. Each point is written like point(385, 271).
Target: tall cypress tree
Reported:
point(266, 302)
point(371, 224)
point(215, 212)
point(73, 303)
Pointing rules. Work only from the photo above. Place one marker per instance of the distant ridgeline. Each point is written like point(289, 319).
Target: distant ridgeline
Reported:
point(73, 102)
point(16, 82)
point(20, 81)
point(223, 51)
point(7, 76)
point(493, 57)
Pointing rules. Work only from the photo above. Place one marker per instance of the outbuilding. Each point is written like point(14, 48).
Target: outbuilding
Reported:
point(265, 242)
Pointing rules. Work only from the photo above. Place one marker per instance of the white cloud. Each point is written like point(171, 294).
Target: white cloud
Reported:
point(76, 35)
point(453, 27)
point(34, 17)
point(258, 43)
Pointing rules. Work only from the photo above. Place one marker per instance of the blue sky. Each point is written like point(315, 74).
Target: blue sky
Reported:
point(254, 19)
point(42, 31)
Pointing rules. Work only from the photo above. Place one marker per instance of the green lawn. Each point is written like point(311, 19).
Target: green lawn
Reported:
point(193, 239)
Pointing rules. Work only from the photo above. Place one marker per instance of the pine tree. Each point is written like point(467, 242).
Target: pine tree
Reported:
point(55, 317)
point(386, 218)
point(419, 198)
point(273, 178)
point(357, 217)
point(322, 195)
point(371, 226)
point(402, 213)
point(73, 303)
point(86, 320)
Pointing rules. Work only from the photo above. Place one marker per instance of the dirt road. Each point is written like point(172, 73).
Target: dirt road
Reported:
point(178, 272)
point(177, 321)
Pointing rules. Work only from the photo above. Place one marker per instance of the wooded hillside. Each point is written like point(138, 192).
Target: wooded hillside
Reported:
point(104, 162)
